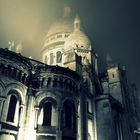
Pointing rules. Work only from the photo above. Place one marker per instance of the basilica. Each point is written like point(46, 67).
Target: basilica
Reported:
point(65, 97)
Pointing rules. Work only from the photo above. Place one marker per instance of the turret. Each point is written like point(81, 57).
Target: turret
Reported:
point(114, 79)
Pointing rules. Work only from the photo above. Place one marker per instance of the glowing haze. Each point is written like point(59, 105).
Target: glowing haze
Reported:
point(27, 21)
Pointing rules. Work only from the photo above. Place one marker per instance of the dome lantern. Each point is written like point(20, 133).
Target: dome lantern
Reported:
point(77, 23)
point(67, 11)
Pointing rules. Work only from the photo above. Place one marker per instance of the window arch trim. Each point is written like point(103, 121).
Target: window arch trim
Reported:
point(47, 105)
point(12, 108)
point(58, 57)
point(69, 122)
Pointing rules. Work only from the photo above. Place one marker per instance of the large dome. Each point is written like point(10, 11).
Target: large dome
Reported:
point(77, 40)
point(63, 25)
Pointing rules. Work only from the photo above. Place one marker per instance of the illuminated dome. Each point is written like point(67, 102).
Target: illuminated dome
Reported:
point(77, 39)
point(63, 25)
point(54, 41)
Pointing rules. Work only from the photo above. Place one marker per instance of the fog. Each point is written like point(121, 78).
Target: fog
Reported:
point(112, 26)
point(28, 22)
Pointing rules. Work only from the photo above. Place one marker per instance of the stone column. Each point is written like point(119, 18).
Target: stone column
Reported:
point(21, 77)
point(12, 71)
point(79, 127)
point(94, 120)
point(25, 78)
point(53, 119)
point(44, 82)
point(40, 82)
point(76, 124)
point(5, 69)
point(58, 127)
point(30, 116)
point(1, 68)
point(17, 74)
point(36, 116)
point(17, 115)
point(83, 114)
point(21, 126)
point(121, 127)
point(51, 83)
point(20, 115)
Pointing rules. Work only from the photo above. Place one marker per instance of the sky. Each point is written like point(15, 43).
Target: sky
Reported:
point(113, 27)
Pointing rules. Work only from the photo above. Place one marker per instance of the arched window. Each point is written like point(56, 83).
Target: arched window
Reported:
point(58, 57)
point(69, 115)
point(47, 114)
point(12, 108)
point(46, 59)
point(51, 58)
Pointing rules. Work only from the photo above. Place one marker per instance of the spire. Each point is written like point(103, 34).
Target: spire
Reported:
point(77, 23)
point(67, 10)
point(108, 60)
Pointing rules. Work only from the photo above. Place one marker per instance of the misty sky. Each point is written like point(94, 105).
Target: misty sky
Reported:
point(113, 27)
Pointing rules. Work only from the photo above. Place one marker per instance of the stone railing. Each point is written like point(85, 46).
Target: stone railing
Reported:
point(12, 72)
point(58, 78)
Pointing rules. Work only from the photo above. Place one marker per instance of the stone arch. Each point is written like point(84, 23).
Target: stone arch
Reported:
point(47, 105)
point(72, 99)
point(58, 57)
point(19, 89)
point(46, 59)
point(51, 58)
point(47, 112)
point(49, 99)
point(69, 115)
point(2, 88)
point(16, 93)
point(42, 95)
point(13, 107)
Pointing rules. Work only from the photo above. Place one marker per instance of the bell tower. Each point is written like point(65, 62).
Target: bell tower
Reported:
point(114, 72)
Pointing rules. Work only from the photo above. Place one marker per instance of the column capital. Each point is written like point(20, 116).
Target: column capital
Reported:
point(37, 107)
point(22, 105)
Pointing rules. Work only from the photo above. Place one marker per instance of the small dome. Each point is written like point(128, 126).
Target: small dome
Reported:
point(62, 25)
point(77, 40)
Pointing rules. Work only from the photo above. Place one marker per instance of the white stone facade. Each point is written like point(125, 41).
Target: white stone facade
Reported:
point(65, 97)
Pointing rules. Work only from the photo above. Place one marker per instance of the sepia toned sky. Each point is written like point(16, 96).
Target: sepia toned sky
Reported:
point(113, 27)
